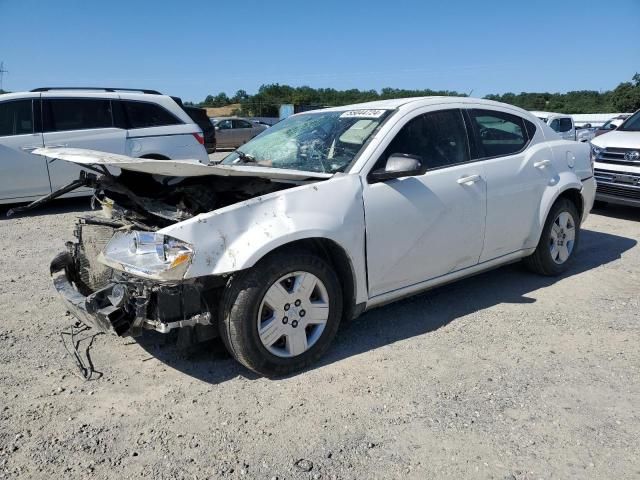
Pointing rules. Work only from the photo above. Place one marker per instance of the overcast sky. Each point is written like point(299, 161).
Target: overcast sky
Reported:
point(193, 48)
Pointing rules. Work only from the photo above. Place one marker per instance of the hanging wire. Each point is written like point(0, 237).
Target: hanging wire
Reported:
point(72, 338)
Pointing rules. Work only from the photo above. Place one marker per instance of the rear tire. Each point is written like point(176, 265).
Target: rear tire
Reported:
point(558, 242)
point(271, 322)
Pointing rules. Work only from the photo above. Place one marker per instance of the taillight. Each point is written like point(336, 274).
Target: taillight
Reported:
point(199, 138)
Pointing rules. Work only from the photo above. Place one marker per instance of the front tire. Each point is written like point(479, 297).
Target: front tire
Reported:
point(559, 240)
point(280, 316)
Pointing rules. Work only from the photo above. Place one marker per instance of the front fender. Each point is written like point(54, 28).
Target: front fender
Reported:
point(235, 237)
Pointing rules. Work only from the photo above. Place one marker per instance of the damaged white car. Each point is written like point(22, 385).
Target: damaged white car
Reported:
point(321, 217)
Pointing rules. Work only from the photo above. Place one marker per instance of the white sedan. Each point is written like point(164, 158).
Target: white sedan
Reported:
point(325, 215)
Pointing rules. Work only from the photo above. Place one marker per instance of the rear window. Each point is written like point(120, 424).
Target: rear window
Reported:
point(16, 118)
point(145, 115)
point(62, 114)
point(499, 133)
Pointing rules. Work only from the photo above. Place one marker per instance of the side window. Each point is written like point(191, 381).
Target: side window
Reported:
point(555, 125)
point(61, 114)
point(241, 124)
point(565, 125)
point(224, 125)
point(439, 138)
point(145, 115)
point(531, 129)
point(499, 133)
point(16, 118)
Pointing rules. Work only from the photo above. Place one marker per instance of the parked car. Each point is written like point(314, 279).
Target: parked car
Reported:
point(324, 216)
point(560, 123)
point(233, 132)
point(585, 133)
point(616, 157)
point(140, 123)
point(610, 125)
point(199, 116)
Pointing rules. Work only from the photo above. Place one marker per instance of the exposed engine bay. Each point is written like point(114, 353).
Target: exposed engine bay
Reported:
point(159, 201)
point(126, 304)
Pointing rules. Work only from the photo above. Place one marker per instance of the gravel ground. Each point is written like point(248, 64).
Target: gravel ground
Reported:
point(506, 375)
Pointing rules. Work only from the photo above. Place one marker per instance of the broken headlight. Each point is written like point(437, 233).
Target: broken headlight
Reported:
point(147, 254)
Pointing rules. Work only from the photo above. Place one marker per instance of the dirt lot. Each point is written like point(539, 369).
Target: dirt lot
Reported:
point(506, 375)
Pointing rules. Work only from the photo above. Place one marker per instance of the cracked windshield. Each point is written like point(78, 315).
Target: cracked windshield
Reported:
point(325, 142)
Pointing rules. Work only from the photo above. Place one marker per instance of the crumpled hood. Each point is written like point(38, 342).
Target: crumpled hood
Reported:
point(172, 168)
point(618, 139)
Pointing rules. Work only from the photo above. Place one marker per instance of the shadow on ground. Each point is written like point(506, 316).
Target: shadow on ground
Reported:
point(63, 205)
point(417, 315)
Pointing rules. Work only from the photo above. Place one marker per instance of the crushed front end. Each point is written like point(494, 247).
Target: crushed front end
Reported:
point(123, 304)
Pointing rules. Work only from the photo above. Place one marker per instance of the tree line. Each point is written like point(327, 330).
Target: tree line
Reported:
point(265, 103)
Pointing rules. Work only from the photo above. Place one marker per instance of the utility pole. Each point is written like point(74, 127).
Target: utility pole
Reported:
point(2, 72)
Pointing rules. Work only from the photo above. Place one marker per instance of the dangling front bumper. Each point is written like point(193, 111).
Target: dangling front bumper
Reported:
point(126, 307)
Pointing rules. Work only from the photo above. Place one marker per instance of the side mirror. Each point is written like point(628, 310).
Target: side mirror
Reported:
point(398, 165)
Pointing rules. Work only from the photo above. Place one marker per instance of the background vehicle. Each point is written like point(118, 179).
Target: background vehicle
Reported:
point(233, 132)
point(585, 133)
point(611, 125)
point(199, 115)
point(140, 123)
point(275, 277)
point(560, 123)
point(616, 157)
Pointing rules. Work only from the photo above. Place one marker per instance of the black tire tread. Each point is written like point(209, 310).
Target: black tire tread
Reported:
point(239, 301)
point(540, 261)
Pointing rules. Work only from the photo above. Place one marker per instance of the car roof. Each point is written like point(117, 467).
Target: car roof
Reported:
point(84, 93)
point(548, 114)
point(417, 102)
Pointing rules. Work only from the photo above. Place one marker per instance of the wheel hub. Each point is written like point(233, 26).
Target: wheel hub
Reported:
point(562, 237)
point(293, 314)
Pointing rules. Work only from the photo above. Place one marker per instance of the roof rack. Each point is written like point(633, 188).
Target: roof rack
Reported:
point(104, 89)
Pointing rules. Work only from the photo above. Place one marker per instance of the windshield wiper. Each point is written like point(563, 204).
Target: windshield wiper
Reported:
point(245, 157)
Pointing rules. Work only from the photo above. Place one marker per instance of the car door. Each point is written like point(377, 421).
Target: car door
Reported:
point(79, 123)
point(22, 174)
point(243, 131)
point(225, 134)
point(422, 227)
point(517, 167)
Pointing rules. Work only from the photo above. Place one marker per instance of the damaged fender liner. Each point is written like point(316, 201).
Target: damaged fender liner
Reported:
point(98, 310)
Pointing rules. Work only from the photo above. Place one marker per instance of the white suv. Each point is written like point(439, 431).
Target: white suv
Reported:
point(140, 123)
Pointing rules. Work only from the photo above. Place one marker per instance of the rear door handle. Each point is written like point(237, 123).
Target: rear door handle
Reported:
point(61, 145)
point(470, 180)
point(542, 163)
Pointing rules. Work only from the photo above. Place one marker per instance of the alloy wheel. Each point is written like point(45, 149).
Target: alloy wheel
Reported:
point(562, 238)
point(293, 314)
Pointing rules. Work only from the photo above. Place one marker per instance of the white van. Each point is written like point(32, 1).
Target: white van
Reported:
point(140, 123)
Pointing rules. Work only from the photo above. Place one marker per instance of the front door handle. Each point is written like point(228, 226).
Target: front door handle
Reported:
point(542, 163)
point(61, 145)
point(470, 180)
point(29, 148)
